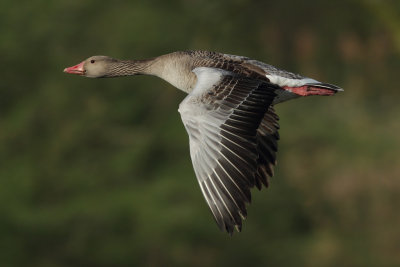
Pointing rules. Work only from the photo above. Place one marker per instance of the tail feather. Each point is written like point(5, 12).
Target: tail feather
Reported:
point(326, 86)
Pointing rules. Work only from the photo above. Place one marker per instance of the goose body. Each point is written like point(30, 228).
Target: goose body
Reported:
point(228, 115)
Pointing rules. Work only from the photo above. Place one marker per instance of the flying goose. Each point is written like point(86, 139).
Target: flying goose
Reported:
point(228, 114)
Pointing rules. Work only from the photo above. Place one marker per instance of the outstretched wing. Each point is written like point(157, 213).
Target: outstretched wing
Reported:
point(222, 116)
point(267, 146)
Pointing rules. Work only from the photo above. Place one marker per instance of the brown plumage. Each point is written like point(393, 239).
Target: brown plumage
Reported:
point(228, 114)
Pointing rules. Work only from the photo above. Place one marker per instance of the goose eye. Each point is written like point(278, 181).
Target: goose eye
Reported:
point(92, 61)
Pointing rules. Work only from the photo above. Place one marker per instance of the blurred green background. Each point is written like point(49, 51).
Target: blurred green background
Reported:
point(96, 172)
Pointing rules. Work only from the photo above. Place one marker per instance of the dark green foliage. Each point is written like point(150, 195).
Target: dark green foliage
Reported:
point(98, 173)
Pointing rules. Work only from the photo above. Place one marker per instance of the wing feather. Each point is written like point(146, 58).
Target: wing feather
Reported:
point(267, 146)
point(228, 118)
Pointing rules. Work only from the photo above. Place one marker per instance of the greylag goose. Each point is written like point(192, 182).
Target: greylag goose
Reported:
point(228, 114)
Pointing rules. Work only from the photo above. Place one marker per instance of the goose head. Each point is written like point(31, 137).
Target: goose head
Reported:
point(93, 67)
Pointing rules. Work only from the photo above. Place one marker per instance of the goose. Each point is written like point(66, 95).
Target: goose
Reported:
point(228, 114)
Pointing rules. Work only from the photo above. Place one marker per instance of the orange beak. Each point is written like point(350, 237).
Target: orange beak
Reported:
point(77, 69)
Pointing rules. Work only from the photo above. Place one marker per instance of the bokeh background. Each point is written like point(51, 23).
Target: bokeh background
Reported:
point(96, 172)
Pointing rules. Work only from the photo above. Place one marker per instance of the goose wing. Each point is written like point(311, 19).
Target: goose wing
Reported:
point(267, 146)
point(228, 119)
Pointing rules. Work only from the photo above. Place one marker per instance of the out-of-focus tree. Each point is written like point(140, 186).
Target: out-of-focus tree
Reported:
point(98, 173)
